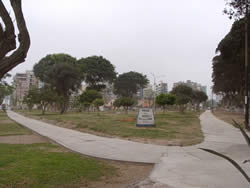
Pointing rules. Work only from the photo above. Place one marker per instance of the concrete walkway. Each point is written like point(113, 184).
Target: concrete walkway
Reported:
point(96, 146)
point(189, 167)
point(178, 167)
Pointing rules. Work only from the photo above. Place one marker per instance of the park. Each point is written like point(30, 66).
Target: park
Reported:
point(104, 105)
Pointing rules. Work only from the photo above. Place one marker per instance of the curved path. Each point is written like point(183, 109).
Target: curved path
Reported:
point(96, 146)
point(189, 167)
point(179, 167)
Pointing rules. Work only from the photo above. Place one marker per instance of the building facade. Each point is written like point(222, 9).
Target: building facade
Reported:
point(161, 88)
point(23, 82)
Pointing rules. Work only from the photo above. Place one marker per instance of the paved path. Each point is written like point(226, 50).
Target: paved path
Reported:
point(101, 147)
point(178, 167)
point(189, 167)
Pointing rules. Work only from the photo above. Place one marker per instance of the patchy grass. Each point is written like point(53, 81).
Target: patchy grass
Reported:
point(35, 166)
point(170, 126)
point(229, 116)
point(48, 165)
point(9, 127)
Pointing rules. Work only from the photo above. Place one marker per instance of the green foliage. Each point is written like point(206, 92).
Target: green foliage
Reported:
point(89, 96)
point(97, 70)
point(183, 95)
point(127, 84)
point(43, 97)
point(165, 99)
point(125, 102)
point(61, 72)
point(5, 89)
point(199, 96)
point(228, 66)
point(98, 102)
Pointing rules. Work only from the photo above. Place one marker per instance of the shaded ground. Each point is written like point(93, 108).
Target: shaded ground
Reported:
point(229, 116)
point(25, 164)
point(172, 128)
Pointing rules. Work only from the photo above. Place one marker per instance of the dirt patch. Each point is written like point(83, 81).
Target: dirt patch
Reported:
point(129, 174)
point(6, 121)
point(23, 139)
point(229, 116)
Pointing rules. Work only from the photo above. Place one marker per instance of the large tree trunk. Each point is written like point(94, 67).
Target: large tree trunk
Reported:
point(8, 38)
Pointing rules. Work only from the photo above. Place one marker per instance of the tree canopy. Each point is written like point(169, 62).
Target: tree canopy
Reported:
point(228, 66)
point(96, 71)
point(5, 88)
point(165, 99)
point(127, 84)
point(236, 8)
point(183, 95)
point(40, 96)
point(125, 102)
point(60, 71)
point(89, 96)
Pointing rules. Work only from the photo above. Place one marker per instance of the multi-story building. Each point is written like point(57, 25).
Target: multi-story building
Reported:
point(161, 88)
point(23, 82)
point(193, 85)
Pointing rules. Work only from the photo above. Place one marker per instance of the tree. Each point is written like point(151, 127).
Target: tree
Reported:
point(165, 99)
point(198, 98)
point(127, 84)
point(42, 97)
point(97, 103)
point(236, 8)
point(5, 88)
point(8, 38)
point(183, 95)
point(61, 72)
point(88, 97)
point(126, 102)
point(96, 71)
point(31, 98)
point(228, 67)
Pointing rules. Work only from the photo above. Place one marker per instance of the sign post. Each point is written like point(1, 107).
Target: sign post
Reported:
point(145, 118)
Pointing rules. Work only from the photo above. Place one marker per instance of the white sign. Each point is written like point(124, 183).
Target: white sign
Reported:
point(145, 117)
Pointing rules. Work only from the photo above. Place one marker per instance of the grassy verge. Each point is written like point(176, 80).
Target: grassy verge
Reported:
point(169, 126)
point(46, 165)
point(36, 165)
point(229, 116)
point(8, 127)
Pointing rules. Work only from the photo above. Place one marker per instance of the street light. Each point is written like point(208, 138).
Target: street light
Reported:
point(155, 88)
point(246, 70)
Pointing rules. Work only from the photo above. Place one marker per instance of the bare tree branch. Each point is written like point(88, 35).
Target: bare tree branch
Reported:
point(19, 55)
point(243, 132)
point(230, 160)
point(7, 37)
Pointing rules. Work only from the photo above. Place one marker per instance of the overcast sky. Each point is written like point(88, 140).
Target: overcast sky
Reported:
point(174, 40)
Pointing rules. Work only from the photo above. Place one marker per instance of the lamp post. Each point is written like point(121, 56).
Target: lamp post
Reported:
point(246, 70)
point(155, 88)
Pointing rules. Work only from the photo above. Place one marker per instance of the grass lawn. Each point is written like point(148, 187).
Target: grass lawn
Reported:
point(38, 165)
point(8, 127)
point(170, 126)
point(45, 165)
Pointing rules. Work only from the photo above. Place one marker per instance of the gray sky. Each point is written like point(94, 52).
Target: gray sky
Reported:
point(176, 39)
